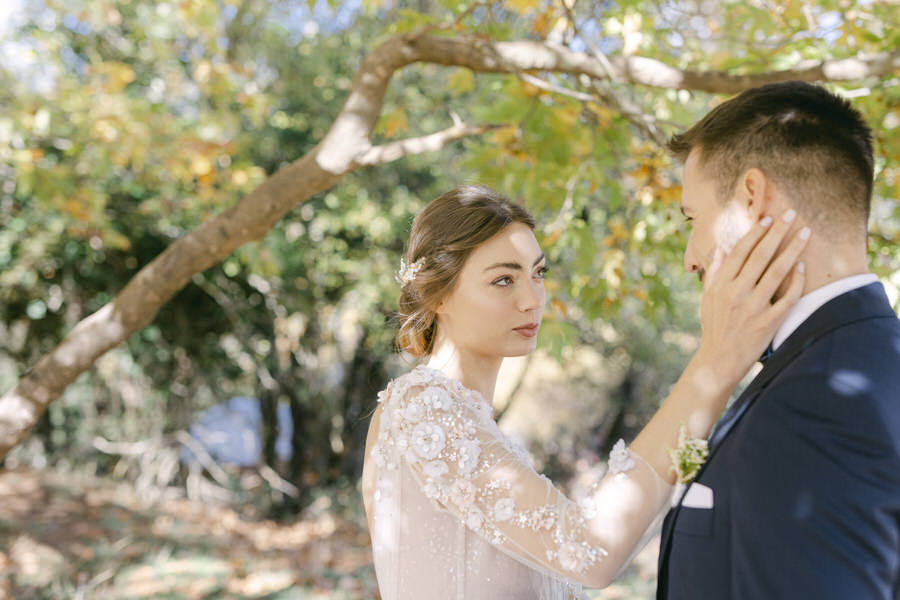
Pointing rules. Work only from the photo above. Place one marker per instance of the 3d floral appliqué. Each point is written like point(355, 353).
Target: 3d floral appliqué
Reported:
point(428, 440)
point(620, 458)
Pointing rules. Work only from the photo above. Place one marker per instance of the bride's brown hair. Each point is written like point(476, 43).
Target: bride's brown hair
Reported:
point(443, 235)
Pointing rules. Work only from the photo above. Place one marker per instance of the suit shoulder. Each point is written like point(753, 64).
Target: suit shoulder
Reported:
point(865, 352)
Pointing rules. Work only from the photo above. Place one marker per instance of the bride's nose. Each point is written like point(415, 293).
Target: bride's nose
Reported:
point(530, 296)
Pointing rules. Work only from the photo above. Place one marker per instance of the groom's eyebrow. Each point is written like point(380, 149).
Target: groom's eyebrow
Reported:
point(514, 265)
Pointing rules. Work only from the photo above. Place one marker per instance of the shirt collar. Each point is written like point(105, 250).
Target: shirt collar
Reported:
point(812, 301)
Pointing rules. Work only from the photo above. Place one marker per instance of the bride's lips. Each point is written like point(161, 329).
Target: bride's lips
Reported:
point(529, 330)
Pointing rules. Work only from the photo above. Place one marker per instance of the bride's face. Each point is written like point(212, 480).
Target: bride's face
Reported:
point(498, 301)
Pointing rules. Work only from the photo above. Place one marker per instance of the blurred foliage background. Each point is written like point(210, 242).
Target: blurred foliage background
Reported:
point(126, 124)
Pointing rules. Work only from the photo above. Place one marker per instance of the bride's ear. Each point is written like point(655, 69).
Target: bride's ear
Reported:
point(754, 193)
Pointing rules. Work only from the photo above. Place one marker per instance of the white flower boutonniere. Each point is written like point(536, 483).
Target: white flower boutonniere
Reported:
point(689, 456)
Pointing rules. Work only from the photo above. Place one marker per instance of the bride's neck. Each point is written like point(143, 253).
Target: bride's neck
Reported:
point(475, 371)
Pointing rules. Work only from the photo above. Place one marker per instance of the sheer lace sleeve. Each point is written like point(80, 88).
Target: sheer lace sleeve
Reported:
point(467, 466)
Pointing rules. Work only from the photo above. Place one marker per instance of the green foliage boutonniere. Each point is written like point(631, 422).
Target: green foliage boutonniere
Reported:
point(689, 456)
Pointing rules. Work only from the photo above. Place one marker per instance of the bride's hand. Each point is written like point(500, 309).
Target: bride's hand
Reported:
point(738, 315)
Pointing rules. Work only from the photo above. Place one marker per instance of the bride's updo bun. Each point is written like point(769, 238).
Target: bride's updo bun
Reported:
point(443, 235)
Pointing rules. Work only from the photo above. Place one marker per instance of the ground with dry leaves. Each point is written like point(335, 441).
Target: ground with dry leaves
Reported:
point(67, 536)
point(62, 536)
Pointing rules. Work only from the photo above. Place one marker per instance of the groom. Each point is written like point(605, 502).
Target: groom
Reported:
point(800, 495)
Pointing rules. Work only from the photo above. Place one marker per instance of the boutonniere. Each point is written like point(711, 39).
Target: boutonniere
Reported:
point(689, 456)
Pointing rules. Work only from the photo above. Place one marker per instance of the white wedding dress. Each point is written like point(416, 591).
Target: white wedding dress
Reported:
point(456, 510)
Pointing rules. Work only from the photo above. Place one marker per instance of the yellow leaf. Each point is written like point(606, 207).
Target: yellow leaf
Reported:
point(396, 122)
point(551, 238)
point(523, 7)
point(560, 307)
point(116, 76)
point(568, 115)
point(200, 166)
point(116, 240)
point(543, 23)
point(504, 136)
point(528, 90)
point(461, 81)
point(613, 267)
point(202, 71)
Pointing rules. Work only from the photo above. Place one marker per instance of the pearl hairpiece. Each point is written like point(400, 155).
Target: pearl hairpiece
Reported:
point(408, 272)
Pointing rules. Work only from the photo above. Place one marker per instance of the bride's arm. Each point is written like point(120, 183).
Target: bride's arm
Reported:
point(739, 319)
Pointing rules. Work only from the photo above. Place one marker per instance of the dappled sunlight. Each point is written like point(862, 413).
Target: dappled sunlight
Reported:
point(846, 382)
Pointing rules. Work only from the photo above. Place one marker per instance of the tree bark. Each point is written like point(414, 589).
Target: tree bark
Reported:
point(348, 146)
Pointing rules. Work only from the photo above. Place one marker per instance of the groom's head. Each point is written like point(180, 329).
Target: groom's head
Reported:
point(774, 147)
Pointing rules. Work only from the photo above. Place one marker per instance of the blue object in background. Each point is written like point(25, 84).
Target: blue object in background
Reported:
point(232, 432)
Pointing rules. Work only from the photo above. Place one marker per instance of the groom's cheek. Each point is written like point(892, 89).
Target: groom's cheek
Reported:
point(731, 226)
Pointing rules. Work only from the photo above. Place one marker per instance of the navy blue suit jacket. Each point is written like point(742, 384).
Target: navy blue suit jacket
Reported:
point(805, 471)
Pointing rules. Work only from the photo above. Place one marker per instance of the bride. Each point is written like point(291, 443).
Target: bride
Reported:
point(455, 508)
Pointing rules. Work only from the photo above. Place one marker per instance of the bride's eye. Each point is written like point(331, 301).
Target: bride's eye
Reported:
point(542, 272)
point(504, 281)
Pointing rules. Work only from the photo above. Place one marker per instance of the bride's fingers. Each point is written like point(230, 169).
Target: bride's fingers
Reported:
point(759, 258)
point(718, 259)
point(735, 259)
point(781, 267)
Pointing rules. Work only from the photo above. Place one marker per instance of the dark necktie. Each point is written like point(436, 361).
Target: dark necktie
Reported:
point(765, 355)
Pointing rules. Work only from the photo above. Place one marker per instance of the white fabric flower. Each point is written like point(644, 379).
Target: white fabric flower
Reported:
point(413, 412)
point(620, 459)
point(468, 452)
point(588, 508)
point(462, 493)
point(435, 397)
point(474, 519)
point(573, 557)
point(378, 456)
point(385, 421)
point(431, 489)
point(504, 509)
point(483, 409)
point(428, 440)
point(435, 468)
point(420, 376)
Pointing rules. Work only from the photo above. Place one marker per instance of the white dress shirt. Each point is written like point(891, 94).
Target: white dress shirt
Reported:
point(814, 300)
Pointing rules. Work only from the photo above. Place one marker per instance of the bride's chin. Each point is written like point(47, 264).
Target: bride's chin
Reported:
point(512, 353)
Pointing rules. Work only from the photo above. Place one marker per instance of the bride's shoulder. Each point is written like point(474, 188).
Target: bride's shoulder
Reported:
point(415, 381)
point(432, 388)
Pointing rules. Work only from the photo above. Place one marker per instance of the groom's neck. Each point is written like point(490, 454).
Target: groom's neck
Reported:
point(827, 262)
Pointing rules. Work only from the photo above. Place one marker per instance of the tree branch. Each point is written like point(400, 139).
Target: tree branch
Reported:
point(488, 56)
point(392, 151)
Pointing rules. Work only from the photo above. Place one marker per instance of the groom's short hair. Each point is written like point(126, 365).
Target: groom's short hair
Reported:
point(812, 143)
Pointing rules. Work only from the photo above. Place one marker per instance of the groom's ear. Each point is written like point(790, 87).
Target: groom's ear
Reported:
point(754, 192)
